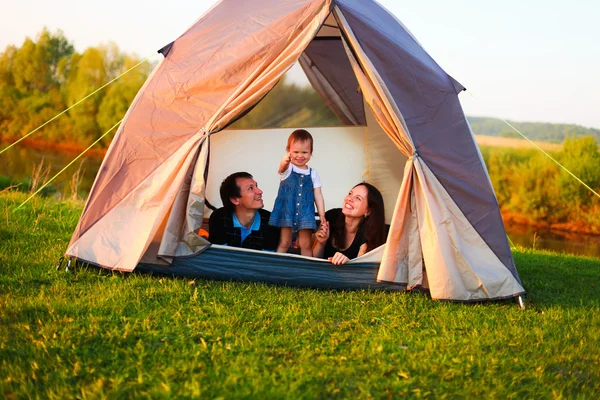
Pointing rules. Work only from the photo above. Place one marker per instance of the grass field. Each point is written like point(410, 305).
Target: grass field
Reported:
point(515, 143)
point(90, 333)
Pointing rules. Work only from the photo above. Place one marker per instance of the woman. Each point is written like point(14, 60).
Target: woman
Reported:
point(354, 229)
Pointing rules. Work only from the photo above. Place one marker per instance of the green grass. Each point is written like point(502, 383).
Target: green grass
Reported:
point(95, 334)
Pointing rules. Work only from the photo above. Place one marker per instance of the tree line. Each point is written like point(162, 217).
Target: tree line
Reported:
point(543, 131)
point(43, 77)
point(533, 188)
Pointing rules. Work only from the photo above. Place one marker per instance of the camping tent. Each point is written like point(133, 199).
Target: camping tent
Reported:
point(148, 200)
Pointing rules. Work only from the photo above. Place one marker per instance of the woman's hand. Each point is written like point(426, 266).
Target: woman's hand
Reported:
point(338, 259)
point(322, 234)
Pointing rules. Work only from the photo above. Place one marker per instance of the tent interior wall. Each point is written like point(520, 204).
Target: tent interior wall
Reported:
point(343, 156)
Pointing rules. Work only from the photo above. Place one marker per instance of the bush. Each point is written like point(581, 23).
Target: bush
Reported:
point(530, 183)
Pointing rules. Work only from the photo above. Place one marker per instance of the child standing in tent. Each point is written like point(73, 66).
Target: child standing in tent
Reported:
point(299, 191)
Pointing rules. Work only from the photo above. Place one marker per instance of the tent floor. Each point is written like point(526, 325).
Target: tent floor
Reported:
point(279, 269)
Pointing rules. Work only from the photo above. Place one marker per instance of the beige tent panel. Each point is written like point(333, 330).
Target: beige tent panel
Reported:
point(118, 240)
point(460, 265)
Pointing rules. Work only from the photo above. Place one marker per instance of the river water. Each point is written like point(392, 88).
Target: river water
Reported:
point(19, 162)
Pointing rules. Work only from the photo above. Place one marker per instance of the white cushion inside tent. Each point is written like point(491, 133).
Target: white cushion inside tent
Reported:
point(343, 156)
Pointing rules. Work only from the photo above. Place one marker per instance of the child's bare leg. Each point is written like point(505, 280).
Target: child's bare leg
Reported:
point(285, 240)
point(304, 242)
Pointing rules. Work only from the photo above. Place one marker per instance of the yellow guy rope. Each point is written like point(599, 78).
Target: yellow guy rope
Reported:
point(547, 155)
point(550, 157)
point(86, 97)
point(512, 245)
point(68, 165)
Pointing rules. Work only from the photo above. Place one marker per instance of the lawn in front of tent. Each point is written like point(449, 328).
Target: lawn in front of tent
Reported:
point(90, 333)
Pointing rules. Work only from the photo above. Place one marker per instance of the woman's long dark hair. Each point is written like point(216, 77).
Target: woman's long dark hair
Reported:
point(373, 225)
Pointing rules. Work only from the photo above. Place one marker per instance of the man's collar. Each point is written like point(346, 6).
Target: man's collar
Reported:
point(255, 222)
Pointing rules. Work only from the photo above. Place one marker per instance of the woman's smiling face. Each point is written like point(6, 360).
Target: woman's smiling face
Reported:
point(355, 203)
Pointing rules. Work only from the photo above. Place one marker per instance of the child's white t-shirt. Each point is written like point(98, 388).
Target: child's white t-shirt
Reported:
point(316, 180)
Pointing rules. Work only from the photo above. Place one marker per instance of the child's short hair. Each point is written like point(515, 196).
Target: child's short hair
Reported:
point(300, 135)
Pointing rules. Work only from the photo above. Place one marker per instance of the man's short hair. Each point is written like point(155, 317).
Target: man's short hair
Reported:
point(229, 188)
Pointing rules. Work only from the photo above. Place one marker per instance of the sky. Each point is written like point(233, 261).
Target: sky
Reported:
point(534, 60)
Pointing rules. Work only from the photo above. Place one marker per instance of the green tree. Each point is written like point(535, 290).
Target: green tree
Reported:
point(288, 105)
point(30, 80)
point(87, 74)
point(581, 157)
point(120, 94)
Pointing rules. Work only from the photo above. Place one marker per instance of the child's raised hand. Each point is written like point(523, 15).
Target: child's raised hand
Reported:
point(287, 158)
point(285, 163)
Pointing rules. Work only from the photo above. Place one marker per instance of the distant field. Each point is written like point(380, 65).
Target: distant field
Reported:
point(497, 141)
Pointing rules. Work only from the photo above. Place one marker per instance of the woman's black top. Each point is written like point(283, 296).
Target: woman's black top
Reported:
point(334, 217)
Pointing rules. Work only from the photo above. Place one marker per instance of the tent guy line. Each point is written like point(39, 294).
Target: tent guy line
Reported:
point(545, 153)
point(80, 101)
point(69, 164)
point(153, 55)
point(552, 158)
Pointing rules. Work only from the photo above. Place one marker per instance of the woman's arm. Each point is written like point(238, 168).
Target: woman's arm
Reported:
point(320, 202)
point(362, 250)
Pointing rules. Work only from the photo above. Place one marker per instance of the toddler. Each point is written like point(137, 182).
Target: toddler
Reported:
point(299, 191)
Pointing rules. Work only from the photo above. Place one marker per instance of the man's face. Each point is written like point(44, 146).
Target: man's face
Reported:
point(251, 195)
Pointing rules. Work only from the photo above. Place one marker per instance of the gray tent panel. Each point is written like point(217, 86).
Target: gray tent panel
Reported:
point(329, 71)
point(427, 98)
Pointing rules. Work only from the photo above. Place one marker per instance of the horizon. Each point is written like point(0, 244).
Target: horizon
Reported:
point(554, 83)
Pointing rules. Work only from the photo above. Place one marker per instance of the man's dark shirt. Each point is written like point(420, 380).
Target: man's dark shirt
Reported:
point(222, 231)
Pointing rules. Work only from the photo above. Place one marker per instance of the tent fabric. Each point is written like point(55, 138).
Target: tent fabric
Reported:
point(148, 200)
point(112, 242)
point(221, 66)
point(326, 66)
point(459, 263)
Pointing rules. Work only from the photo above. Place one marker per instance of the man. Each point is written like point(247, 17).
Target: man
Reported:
point(242, 222)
